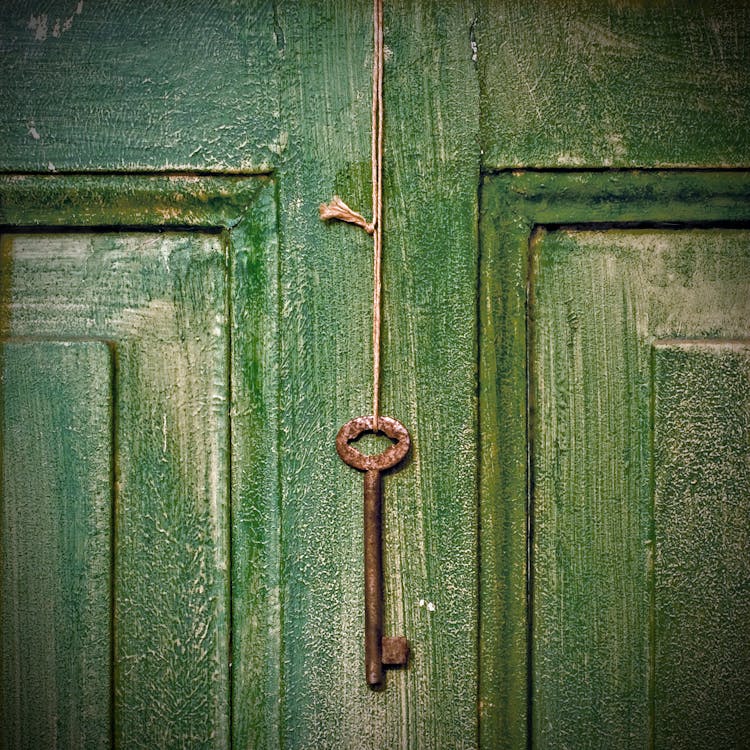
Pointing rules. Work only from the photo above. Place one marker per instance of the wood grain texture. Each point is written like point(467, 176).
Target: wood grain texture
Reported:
point(702, 535)
point(171, 85)
point(251, 86)
point(599, 300)
point(504, 234)
point(512, 205)
point(136, 201)
point(252, 247)
point(56, 540)
point(591, 500)
point(162, 299)
point(431, 170)
point(125, 284)
point(584, 83)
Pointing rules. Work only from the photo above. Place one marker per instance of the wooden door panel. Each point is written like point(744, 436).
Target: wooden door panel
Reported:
point(584, 83)
point(702, 539)
point(56, 542)
point(599, 300)
point(635, 291)
point(117, 72)
point(161, 300)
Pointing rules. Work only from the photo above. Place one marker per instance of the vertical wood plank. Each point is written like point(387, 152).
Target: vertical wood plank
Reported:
point(429, 377)
point(55, 535)
point(502, 465)
point(256, 632)
point(591, 498)
point(702, 528)
point(325, 75)
point(172, 521)
point(430, 357)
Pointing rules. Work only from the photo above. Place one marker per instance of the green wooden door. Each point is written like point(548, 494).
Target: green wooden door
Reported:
point(162, 305)
point(131, 409)
point(640, 475)
point(613, 409)
point(565, 307)
point(631, 369)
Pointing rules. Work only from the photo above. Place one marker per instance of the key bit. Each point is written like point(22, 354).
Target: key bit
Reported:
point(379, 650)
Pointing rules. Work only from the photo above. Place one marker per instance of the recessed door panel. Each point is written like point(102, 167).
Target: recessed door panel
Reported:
point(702, 533)
point(607, 570)
point(161, 300)
point(56, 542)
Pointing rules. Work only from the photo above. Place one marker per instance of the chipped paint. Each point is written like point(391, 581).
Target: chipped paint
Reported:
point(38, 24)
point(669, 78)
point(570, 160)
point(279, 145)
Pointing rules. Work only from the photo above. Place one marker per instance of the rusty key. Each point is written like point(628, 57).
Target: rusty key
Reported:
point(379, 650)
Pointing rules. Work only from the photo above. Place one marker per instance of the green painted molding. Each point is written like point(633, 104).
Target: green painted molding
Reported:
point(130, 200)
point(514, 205)
point(239, 215)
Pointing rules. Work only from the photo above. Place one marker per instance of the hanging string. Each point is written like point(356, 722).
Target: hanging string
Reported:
point(338, 210)
point(377, 199)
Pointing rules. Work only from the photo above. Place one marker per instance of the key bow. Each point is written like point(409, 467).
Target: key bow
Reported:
point(388, 458)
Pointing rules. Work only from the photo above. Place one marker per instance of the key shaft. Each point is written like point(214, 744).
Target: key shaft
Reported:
point(373, 577)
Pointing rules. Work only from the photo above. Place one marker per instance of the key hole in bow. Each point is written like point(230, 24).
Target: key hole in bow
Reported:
point(371, 443)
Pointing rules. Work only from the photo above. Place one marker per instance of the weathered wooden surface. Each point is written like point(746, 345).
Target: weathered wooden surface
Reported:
point(696, 283)
point(591, 495)
point(173, 303)
point(138, 86)
point(252, 248)
point(178, 86)
point(599, 299)
point(504, 234)
point(585, 83)
point(162, 299)
point(431, 172)
point(702, 534)
point(285, 87)
point(56, 541)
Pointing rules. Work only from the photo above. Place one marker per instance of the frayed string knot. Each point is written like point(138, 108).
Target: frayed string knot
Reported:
point(339, 211)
